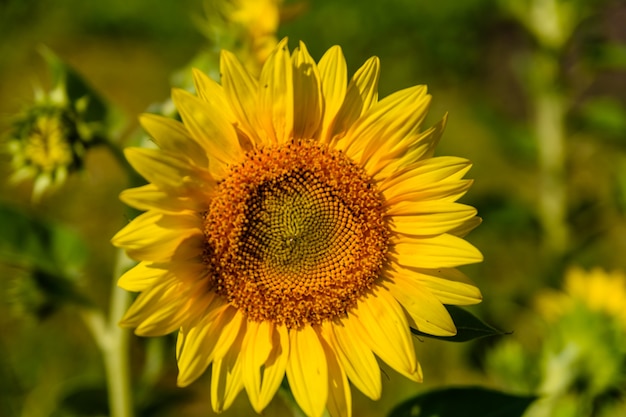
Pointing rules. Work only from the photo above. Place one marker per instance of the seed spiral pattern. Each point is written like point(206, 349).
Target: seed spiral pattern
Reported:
point(295, 234)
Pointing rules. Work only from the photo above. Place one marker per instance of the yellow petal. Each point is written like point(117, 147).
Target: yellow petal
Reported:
point(257, 346)
point(196, 341)
point(226, 381)
point(426, 311)
point(307, 94)
point(146, 238)
point(141, 277)
point(463, 229)
point(443, 191)
point(274, 370)
point(334, 78)
point(209, 127)
point(361, 94)
point(413, 149)
point(424, 173)
point(339, 402)
point(276, 95)
point(173, 136)
point(170, 173)
point(156, 311)
point(387, 123)
point(264, 361)
point(449, 285)
point(213, 93)
point(392, 125)
point(149, 197)
point(381, 323)
point(428, 217)
point(307, 371)
point(357, 360)
point(443, 251)
point(242, 92)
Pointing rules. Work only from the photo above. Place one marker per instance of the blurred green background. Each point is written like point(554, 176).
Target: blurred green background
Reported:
point(486, 64)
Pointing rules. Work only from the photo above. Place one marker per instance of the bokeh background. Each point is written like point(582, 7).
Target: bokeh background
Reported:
point(536, 96)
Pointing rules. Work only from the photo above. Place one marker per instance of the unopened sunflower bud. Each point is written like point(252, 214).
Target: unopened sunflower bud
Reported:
point(48, 141)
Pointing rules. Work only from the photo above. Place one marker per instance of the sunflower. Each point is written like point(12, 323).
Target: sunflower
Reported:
point(296, 225)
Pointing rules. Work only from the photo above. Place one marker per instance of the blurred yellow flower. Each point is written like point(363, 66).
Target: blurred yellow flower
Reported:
point(259, 20)
point(296, 225)
point(47, 143)
point(245, 27)
point(597, 290)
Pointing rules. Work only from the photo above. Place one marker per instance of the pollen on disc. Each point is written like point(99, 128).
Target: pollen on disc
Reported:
point(295, 234)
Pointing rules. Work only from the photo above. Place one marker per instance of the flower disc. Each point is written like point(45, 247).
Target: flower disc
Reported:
point(295, 234)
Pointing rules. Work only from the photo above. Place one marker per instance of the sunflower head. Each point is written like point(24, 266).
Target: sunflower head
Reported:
point(296, 225)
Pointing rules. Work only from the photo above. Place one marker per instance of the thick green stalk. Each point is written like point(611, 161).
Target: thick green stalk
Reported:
point(116, 352)
point(113, 342)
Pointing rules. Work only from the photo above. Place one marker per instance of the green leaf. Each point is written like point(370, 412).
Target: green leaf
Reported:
point(54, 254)
point(468, 327)
point(463, 402)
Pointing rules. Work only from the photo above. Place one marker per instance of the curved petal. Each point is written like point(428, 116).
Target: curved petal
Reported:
point(210, 128)
point(307, 371)
point(380, 322)
point(424, 173)
point(276, 95)
point(339, 402)
point(146, 238)
point(426, 311)
point(386, 124)
point(158, 310)
point(170, 173)
point(361, 94)
point(394, 123)
point(413, 149)
point(275, 365)
point(357, 360)
point(257, 345)
point(307, 94)
point(266, 351)
point(443, 251)
point(443, 191)
point(149, 197)
point(213, 93)
point(241, 90)
point(334, 78)
point(141, 277)
point(226, 380)
point(463, 229)
point(173, 136)
point(428, 217)
point(195, 343)
point(449, 285)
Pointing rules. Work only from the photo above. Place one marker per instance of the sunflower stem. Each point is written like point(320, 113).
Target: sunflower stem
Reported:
point(116, 354)
point(113, 341)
